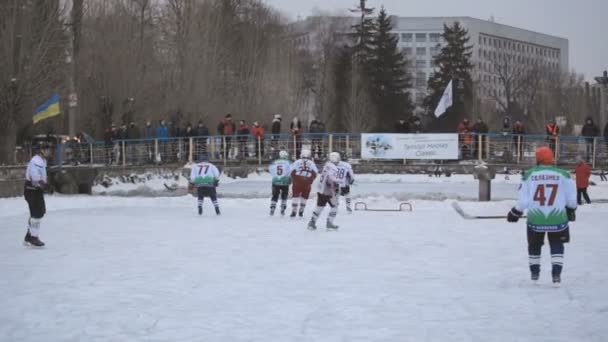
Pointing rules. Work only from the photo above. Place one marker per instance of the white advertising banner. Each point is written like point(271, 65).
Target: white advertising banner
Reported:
point(409, 146)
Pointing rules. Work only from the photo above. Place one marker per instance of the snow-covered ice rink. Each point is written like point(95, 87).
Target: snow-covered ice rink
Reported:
point(150, 269)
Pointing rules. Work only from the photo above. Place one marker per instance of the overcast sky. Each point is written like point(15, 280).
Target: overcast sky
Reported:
point(579, 21)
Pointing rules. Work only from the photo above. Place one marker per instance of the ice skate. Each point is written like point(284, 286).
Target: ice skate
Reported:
point(32, 241)
point(301, 214)
point(349, 210)
point(557, 280)
point(534, 277)
point(217, 211)
point(331, 226)
point(272, 212)
point(293, 214)
point(200, 210)
point(312, 225)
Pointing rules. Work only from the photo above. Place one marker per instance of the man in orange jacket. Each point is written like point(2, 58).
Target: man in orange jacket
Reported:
point(583, 172)
point(552, 133)
point(258, 133)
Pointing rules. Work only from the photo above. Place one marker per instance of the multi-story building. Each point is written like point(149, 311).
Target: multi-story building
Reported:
point(420, 39)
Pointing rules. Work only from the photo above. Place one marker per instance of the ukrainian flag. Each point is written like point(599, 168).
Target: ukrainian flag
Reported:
point(48, 109)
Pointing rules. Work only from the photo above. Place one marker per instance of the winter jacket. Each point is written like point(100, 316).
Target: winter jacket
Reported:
point(552, 131)
point(149, 132)
point(226, 127)
point(202, 131)
point(480, 128)
point(316, 127)
point(132, 132)
point(518, 128)
point(464, 127)
point(589, 131)
point(162, 132)
point(583, 172)
point(257, 132)
point(296, 129)
point(276, 126)
point(243, 132)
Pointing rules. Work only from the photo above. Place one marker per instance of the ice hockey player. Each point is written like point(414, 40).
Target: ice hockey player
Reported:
point(205, 177)
point(347, 178)
point(549, 195)
point(35, 183)
point(279, 170)
point(327, 194)
point(303, 173)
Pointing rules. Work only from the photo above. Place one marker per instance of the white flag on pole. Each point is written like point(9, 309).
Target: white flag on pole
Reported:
point(445, 102)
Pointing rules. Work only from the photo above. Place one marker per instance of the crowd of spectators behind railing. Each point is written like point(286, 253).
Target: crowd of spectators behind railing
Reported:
point(235, 140)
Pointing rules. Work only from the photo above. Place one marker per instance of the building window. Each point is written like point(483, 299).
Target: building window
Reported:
point(420, 63)
point(435, 50)
point(434, 37)
point(407, 51)
point(420, 51)
point(484, 41)
point(406, 37)
point(420, 79)
point(420, 37)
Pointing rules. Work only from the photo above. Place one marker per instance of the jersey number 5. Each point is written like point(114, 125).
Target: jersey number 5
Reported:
point(539, 194)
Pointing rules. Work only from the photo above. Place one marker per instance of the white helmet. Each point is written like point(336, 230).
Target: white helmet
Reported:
point(305, 154)
point(283, 154)
point(334, 157)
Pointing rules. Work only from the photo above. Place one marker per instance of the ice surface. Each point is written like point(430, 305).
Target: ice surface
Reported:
point(150, 269)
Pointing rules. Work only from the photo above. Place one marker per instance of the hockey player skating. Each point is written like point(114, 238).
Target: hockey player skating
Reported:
point(303, 173)
point(327, 193)
point(347, 178)
point(279, 170)
point(204, 176)
point(35, 183)
point(549, 194)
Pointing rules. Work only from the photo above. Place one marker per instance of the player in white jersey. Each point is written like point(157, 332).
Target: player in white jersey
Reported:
point(35, 183)
point(303, 173)
point(205, 177)
point(347, 178)
point(281, 178)
point(329, 184)
point(549, 195)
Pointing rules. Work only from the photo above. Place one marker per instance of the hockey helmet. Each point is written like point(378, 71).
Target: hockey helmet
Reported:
point(305, 154)
point(283, 154)
point(544, 156)
point(334, 157)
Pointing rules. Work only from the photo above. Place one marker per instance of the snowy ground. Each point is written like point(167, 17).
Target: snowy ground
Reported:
point(149, 269)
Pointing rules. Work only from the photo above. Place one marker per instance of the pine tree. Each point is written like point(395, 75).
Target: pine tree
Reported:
point(364, 32)
point(388, 74)
point(452, 63)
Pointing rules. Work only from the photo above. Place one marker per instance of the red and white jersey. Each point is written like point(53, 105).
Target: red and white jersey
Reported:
point(329, 182)
point(304, 169)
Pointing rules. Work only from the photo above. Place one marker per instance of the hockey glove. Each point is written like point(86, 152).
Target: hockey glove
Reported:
point(514, 215)
point(571, 214)
point(216, 182)
point(351, 181)
point(191, 188)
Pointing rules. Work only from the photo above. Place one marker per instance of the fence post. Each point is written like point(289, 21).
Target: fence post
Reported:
point(91, 154)
point(556, 149)
point(124, 154)
point(295, 148)
point(480, 147)
point(155, 151)
point(594, 150)
point(190, 149)
point(518, 147)
point(488, 147)
point(224, 152)
point(347, 146)
point(330, 148)
point(259, 142)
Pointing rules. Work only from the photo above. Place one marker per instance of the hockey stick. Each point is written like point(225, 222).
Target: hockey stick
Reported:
point(170, 188)
point(466, 216)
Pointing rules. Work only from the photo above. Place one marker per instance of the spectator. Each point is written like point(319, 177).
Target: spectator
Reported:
point(583, 172)
point(243, 137)
point(590, 131)
point(275, 129)
point(317, 128)
point(506, 126)
point(202, 132)
point(296, 131)
point(552, 133)
point(606, 135)
point(465, 138)
point(518, 137)
point(227, 129)
point(132, 146)
point(162, 134)
point(481, 130)
point(258, 134)
point(188, 133)
point(416, 126)
point(402, 126)
point(149, 133)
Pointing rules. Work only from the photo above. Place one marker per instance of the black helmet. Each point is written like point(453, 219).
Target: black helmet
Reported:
point(343, 156)
point(43, 145)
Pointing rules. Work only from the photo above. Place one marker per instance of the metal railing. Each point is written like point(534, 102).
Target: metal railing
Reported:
point(492, 148)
